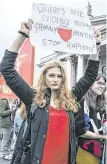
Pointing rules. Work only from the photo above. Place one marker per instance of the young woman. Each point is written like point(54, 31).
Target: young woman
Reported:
point(90, 119)
point(5, 125)
point(49, 137)
point(20, 117)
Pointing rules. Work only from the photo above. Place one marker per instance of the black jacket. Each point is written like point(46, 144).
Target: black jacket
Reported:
point(89, 119)
point(39, 121)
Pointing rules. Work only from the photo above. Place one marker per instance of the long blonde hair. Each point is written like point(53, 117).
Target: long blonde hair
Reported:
point(22, 111)
point(65, 98)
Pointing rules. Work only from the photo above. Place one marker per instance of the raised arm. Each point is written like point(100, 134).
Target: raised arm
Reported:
point(84, 83)
point(13, 79)
point(91, 72)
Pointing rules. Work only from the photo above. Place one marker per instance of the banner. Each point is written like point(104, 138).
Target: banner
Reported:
point(65, 29)
point(24, 66)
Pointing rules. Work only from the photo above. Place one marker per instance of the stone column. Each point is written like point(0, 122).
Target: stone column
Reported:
point(80, 67)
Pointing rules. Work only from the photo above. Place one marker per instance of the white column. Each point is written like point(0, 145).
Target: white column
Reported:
point(69, 72)
point(80, 67)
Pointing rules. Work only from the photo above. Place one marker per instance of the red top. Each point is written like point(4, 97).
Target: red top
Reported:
point(57, 140)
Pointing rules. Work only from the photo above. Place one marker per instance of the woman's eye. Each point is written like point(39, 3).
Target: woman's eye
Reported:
point(100, 83)
point(60, 76)
point(51, 75)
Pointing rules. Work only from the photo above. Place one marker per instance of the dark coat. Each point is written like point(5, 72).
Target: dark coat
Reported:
point(38, 122)
point(5, 114)
point(89, 119)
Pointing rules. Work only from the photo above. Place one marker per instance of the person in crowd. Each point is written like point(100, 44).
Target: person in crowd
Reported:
point(104, 122)
point(20, 116)
point(5, 125)
point(13, 106)
point(89, 122)
point(50, 134)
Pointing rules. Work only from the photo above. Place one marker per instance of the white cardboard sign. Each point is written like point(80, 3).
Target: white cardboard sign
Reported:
point(65, 29)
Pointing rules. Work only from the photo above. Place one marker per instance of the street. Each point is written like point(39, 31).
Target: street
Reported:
point(4, 161)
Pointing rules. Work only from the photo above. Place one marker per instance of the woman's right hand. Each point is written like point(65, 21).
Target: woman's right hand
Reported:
point(23, 33)
point(26, 26)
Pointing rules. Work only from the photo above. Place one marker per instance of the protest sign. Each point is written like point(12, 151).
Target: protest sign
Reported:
point(65, 29)
point(24, 66)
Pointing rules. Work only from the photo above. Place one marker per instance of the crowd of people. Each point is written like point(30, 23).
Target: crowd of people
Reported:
point(12, 115)
point(52, 124)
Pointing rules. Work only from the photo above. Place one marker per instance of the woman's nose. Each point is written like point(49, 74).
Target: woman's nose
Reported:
point(55, 78)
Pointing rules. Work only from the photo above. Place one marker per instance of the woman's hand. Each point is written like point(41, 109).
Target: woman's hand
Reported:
point(97, 35)
point(23, 33)
point(104, 137)
point(26, 26)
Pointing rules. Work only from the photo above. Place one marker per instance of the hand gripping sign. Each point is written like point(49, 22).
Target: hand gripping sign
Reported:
point(65, 29)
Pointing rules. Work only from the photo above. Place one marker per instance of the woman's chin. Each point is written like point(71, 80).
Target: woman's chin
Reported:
point(99, 93)
point(54, 88)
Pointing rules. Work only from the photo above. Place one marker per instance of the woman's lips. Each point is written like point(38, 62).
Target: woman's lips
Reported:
point(54, 84)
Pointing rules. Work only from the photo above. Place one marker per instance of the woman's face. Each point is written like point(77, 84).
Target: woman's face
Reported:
point(54, 78)
point(99, 86)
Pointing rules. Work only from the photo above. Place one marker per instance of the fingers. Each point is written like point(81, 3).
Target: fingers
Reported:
point(96, 32)
point(27, 24)
point(30, 20)
point(97, 35)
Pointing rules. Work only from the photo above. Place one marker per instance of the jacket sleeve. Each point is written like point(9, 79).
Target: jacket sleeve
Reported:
point(80, 120)
point(14, 80)
point(82, 86)
point(3, 106)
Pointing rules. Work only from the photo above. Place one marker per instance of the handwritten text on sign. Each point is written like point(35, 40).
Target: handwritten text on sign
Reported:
point(62, 29)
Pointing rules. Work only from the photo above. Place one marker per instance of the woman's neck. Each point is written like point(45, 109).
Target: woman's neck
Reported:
point(53, 94)
point(53, 97)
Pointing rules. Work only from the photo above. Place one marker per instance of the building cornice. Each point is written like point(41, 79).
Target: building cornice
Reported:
point(99, 20)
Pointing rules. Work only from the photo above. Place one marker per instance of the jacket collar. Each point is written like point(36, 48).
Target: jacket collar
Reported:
point(48, 95)
point(48, 92)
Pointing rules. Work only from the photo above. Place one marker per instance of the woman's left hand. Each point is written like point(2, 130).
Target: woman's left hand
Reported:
point(97, 35)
